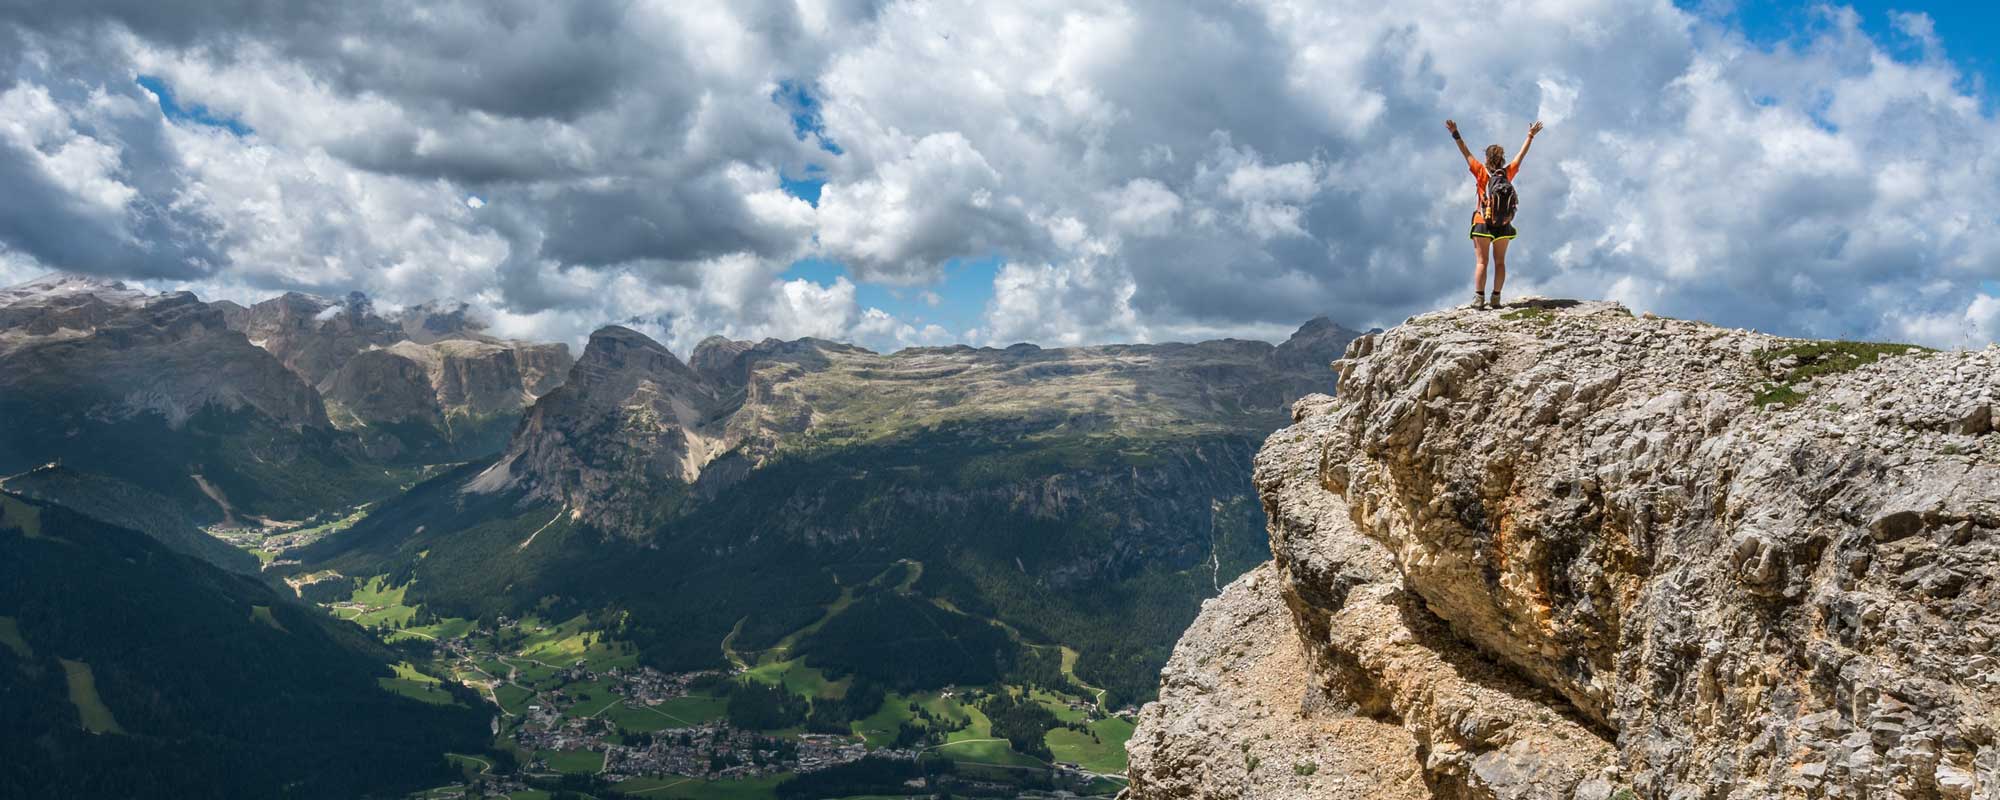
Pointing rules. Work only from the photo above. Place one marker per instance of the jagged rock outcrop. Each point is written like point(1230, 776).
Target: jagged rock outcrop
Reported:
point(312, 336)
point(315, 335)
point(377, 386)
point(266, 410)
point(54, 303)
point(722, 360)
point(618, 441)
point(1572, 553)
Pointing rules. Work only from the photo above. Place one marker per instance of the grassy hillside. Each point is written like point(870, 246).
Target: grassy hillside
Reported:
point(131, 671)
point(255, 466)
point(1103, 543)
point(128, 506)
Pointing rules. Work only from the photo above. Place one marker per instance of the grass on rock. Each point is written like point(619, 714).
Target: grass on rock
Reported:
point(1813, 360)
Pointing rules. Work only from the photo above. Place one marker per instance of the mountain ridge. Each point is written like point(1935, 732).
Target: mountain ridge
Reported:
point(1085, 495)
point(744, 402)
point(422, 383)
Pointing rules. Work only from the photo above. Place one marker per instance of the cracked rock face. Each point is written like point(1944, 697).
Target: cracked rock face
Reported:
point(1567, 552)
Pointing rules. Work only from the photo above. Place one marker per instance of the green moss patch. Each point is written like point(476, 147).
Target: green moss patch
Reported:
point(1794, 364)
point(1530, 314)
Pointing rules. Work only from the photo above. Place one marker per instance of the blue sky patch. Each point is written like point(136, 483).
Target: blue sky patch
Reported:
point(1969, 31)
point(195, 113)
point(798, 100)
point(807, 187)
point(961, 294)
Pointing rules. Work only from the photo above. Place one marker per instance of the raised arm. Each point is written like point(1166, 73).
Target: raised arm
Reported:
point(1523, 155)
point(1456, 139)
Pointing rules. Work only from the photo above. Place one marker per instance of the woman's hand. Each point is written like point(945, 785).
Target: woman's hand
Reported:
point(1532, 129)
point(1453, 126)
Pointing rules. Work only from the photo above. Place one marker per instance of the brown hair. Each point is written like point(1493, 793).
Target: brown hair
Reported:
point(1496, 157)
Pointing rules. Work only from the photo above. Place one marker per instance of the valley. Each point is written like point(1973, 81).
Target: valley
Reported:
point(774, 569)
point(577, 711)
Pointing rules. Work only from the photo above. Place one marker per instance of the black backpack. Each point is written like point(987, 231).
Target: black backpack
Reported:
point(1501, 201)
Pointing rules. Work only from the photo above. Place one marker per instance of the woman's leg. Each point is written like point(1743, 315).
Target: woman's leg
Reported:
point(1480, 245)
point(1500, 263)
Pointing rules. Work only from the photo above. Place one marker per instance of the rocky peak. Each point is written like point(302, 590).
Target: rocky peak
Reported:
point(1314, 345)
point(620, 355)
point(629, 424)
point(427, 363)
point(721, 360)
point(312, 336)
point(1566, 552)
point(59, 285)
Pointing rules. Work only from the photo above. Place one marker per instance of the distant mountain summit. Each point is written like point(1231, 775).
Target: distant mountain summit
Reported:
point(280, 410)
point(1315, 345)
point(155, 390)
point(424, 383)
point(114, 353)
point(629, 429)
point(53, 302)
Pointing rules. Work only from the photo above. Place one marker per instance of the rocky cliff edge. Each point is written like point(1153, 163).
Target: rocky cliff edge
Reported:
point(1560, 551)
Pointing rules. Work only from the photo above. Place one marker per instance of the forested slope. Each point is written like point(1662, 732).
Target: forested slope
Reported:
point(127, 670)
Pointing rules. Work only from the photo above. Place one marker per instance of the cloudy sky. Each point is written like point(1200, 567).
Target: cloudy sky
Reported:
point(925, 172)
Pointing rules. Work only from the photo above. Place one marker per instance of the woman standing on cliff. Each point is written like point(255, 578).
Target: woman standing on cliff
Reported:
point(1493, 219)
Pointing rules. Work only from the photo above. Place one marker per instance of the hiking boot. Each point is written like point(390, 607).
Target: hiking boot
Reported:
point(1495, 302)
point(1478, 302)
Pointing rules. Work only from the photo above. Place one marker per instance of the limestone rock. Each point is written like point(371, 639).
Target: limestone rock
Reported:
point(617, 443)
point(1666, 587)
point(1249, 721)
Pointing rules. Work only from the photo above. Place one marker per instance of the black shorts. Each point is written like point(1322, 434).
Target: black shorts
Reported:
point(1487, 230)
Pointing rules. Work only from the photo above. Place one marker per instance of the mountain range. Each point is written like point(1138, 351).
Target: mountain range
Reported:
point(1087, 495)
point(275, 412)
point(736, 507)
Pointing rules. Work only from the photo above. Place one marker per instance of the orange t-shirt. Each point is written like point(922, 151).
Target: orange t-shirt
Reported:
point(1479, 174)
